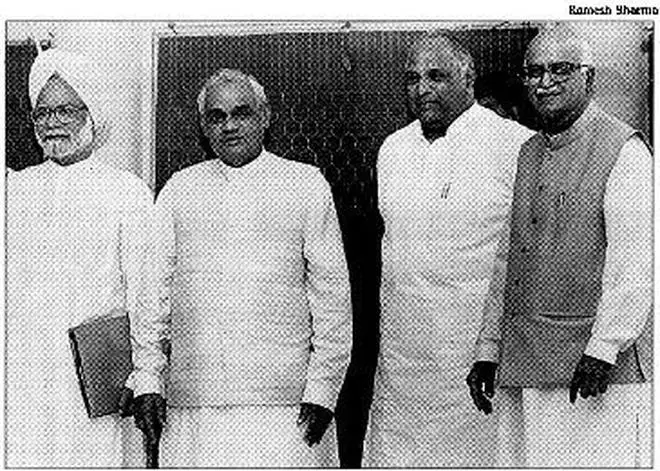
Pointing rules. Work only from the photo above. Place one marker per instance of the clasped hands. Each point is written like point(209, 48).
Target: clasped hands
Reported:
point(590, 378)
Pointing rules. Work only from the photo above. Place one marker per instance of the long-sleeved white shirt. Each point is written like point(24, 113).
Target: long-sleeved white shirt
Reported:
point(251, 274)
point(76, 241)
point(444, 205)
point(628, 272)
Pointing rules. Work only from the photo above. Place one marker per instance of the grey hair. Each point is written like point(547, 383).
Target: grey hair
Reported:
point(460, 51)
point(566, 35)
point(231, 76)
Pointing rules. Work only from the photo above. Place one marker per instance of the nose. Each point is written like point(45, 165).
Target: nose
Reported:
point(424, 86)
point(52, 120)
point(546, 79)
point(230, 124)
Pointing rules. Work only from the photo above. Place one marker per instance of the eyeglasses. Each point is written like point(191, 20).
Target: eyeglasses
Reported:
point(65, 114)
point(556, 70)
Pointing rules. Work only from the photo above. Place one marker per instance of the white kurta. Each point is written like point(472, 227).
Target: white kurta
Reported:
point(251, 270)
point(243, 437)
point(75, 245)
point(444, 205)
point(613, 430)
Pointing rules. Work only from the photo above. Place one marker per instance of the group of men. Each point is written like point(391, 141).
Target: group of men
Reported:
point(510, 258)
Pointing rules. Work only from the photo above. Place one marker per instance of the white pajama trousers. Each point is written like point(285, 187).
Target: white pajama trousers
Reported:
point(237, 437)
point(541, 428)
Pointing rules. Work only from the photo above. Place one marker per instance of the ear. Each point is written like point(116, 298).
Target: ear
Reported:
point(591, 74)
point(470, 78)
point(265, 116)
point(202, 125)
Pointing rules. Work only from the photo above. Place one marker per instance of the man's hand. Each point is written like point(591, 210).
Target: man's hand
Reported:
point(314, 419)
point(591, 377)
point(150, 417)
point(126, 403)
point(481, 381)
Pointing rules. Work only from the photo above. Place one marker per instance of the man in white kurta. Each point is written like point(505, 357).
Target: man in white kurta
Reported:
point(76, 238)
point(544, 425)
point(445, 183)
point(252, 273)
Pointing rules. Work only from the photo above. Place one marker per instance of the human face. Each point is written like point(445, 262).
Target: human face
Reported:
point(67, 140)
point(438, 90)
point(233, 122)
point(559, 98)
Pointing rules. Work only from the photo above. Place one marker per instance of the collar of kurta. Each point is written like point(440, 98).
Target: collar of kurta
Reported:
point(461, 126)
point(577, 129)
point(91, 162)
point(254, 167)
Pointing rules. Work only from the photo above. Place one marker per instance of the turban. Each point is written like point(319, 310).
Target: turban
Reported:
point(84, 76)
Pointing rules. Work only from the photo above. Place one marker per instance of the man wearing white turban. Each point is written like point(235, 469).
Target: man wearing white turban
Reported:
point(76, 233)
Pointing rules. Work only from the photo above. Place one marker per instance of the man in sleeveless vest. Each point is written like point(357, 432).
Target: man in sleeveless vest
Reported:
point(445, 185)
point(567, 320)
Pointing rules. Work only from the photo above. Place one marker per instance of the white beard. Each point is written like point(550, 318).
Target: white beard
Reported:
point(61, 150)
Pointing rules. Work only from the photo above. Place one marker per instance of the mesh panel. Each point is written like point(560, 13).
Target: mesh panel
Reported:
point(334, 96)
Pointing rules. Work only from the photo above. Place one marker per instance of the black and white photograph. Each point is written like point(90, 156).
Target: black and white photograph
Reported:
point(325, 243)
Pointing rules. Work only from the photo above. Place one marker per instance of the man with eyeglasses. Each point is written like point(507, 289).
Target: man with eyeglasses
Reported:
point(445, 184)
point(76, 244)
point(568, 316)
point(252, 286)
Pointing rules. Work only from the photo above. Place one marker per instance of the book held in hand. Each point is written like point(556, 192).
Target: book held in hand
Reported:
point(102, 354)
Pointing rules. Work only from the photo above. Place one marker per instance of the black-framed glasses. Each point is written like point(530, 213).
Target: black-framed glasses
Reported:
point(65, 114)
point(556, 70)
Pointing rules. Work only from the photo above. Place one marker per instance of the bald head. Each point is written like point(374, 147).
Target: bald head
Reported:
point(559, 77)
point(439, 82)
point(562, 41)
point(438, 41)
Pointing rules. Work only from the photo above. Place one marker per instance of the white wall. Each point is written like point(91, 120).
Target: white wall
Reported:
point(126, 49)
point(622, 68)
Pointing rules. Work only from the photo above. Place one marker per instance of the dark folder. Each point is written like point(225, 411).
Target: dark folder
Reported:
point(102, 354)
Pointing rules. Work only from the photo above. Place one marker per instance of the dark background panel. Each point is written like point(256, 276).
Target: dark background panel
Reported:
point(21, 148)
point(334, 96)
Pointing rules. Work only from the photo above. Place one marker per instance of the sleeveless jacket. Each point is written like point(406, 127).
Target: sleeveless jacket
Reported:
point(557, 254)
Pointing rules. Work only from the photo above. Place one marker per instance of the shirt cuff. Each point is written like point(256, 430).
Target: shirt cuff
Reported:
point(602, 350)
point(145, 383)
point(321, 395)
point(487, 350)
